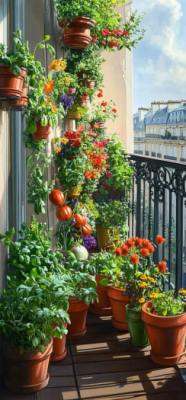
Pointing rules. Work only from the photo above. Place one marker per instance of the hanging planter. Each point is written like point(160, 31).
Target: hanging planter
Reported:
point(136, 327)
point(73, 192)
point(11, 85)
point(80, 74)
point(59, 349)
point(77, 35)
point(16, 105)
point(89, 84)
point(118, 303)
point(71, 90)
point(72, 114)
point(166, 335)
point(101, 125)
point(27, 372)
point(103, 307)
point(78, 314)
point(42, 132)
point(70, 157)
point(103, 236)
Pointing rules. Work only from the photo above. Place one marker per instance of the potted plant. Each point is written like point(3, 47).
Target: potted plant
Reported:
point(101, 113)
point(88, 71)
point(76, 112)
point(28, 314)
point(111, 221)
point(65, 82)
point(165, 318)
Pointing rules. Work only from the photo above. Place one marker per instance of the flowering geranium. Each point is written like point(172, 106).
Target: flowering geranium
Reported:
point(100, 114)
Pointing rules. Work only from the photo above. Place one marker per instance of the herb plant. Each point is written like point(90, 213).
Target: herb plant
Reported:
point(165, 305)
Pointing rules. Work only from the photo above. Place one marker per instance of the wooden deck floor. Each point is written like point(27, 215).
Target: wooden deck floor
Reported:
point(104, 365)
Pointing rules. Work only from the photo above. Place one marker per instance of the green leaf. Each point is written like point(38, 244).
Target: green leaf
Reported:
point(29, 161)
point(42, 46)
point(51, 49)
point(16, 70)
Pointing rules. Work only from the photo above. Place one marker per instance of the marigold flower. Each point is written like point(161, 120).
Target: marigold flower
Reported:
point(162, 266)
point(57, 149)
point(144, 252)
point(99, 95)
point(142, 300)
point(137, 242)
point(143, 277)
point(118, 252)
point(145, 243)
point(153, 296)
point(57, 65)
point(54, 107)
point(134, 259)
point(48, 87)
point(130, 243)
point(64, 140)
point(125, 250)
point(151, 248)
point(142, 284)
point(182, 292)
point(160, 239)
point(152, 280)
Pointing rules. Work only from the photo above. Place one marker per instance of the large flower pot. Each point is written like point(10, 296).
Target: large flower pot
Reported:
point(72, 114)
point(27, 372)
point(118, 301)
point(136, 327)
point(101, 125)
point(103, 236)
point(42, 132)
point(103, 307)
point(16, 105)
point(89, 84)
point(77, 35)
point(166, 335)
point(59, 349)
point(11, 85)
point(78, 315)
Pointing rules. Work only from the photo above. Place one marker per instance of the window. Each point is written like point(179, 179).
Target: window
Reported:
point(181, 132)
point(168, 150)
point(183, 152)
point(174, 132)
point(174, 151)
point(139, 134)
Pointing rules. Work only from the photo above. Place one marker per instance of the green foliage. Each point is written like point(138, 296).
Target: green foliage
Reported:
point(166, 305)
point(71, 172)
point(63, 81)
point(98, 114)
point(104, 263)
point(112, 214)
point(82, 283)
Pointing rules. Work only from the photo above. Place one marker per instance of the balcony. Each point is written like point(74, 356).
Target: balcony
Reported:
point(153, 154)
point(146, 152)
point(163, 137)
point(159, 155)
point(183, 160)
point(138, 151)
point(170, 158)
point(140, 139)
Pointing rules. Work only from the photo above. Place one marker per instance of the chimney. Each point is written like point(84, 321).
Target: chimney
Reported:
point(172, 104)
point(142, 112)
point(154, 107)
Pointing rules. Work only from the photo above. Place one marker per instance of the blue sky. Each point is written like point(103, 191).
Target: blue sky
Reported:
point(159, 61)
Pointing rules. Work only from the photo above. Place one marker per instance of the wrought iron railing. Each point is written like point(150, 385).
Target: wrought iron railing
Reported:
point(158, 206)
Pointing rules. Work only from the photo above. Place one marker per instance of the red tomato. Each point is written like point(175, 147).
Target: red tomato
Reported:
point(57, 198)
point(64, 213)
point(76, 226)
point(86, 230)
point(80, 219)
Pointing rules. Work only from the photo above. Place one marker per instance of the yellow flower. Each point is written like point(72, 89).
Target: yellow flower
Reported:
point(142, 284)
point(57, 64)
point(142, 300)
point(153, 296)
point(143, 277)
point(152, 280)
point(157, 290)
point(64, 140)
point(57, 149)
point(182, 292)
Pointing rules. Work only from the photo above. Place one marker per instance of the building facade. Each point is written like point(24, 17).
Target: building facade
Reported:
point(160, 131)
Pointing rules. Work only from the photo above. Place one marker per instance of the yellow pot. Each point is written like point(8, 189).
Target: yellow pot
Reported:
point(74, 192)
point(103, 236)
point(73, 114)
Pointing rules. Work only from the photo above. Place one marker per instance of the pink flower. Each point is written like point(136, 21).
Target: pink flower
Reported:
point(109, 174)
point(106, 184)
point(80, 128)
point(104, 142)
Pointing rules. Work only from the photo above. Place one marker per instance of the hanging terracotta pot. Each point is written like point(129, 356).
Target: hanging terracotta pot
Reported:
point(71, 90)
point(16, 105)
point(103, 307)
point(42, 132)
point(81, 73)
point(11, 85)
point(138, 333)
point(59, 350)
point(101, 124)
point(103, 236)
point(78, 314)
point(70, 157)
point(82, 103)
point(27, 372)
point(77, 35)
point(166, 335)
point(118, 303)
point(72, 114)
point(89, 84)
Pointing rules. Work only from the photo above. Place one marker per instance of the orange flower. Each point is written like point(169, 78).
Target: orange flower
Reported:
point(54, 107)
point(130, 243)
point(162, 266)
point(144, 252)
point(143, 277)
point(57, 149)
point(137, 242)
point(48, 99)
point(134, 259)
point(151, 248)
point(159, 239)
point(125, 250)
point(145, 243)
point(99, 95)
point(117, 252)
point(142, 300)
point(48, 87)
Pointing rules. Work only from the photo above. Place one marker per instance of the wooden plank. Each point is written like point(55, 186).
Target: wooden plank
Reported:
point(96, 319)
point(108, 356)
point(67, 360)
point(8, 395)
point(138, 396)
point(105, 328)
point(58, 394)
point(61, 381)
point(100, 337)
point(115, 346)
point(61, 370)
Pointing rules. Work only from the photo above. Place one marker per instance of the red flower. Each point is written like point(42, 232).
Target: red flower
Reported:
point(111, 43)
point(105, 32)
point(118, 252)
point(151, 248)
point(114, 110)
point(104, 111)
point(134, 259)
point(137, 242)
point(104, 103)
point(83, 97)
point(144, 252)
point(95, 40)
point(109, 174)
point(48, 87)
point(162, 266)
point(145, 243)
point(100, 90)
point(126, 33)
point(94, 35)
point(159, 239)
point(103, 42)
point(108, 140)
point(99, 95)
point(125, 250)
point(130, 243)
point(115, 44)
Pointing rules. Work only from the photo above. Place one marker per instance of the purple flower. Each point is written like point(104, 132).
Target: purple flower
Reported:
point(67, 102)
point(89, 242)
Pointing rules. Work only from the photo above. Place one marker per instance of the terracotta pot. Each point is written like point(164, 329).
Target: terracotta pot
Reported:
point(103, 236)
point(71, 90)
point(77, 35)
point(81, 73)
point(82, 103)
point(73, 192)
point(72, 114)
point(166, 335)
point(137, 329)
point(42, 132)
point(59, 349)
point(70, 157)
point(103, 307)
point(11, 85)
point(27, 372)
point(78, 314)
point(118, 303)
point(101, 124)
point(89, 84)
point(16, 105)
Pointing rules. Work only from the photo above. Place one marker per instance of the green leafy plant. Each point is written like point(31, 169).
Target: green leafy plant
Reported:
point(82, 283)
point(64, 80)
point(102, 112)
point(104, 263)
point(166, 305)
point(71, 173)
point(112, 214)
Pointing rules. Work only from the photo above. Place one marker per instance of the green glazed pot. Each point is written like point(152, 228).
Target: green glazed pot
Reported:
point(136, 327)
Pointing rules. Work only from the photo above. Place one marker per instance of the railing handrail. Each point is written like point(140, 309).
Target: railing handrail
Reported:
point(158, 161)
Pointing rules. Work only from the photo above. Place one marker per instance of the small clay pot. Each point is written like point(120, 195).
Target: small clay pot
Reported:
point(101, 124)
point(70, 157)
point(78, 314)
point(103, 307)
point(59, 349)
point(82, 103)
point(77, 35)
point(118, 301)
point(16, 105)
point(89, 84)
point(81, 73)
point(27, 372)
point(11, 85)
point(71, 90)
point(42, 132)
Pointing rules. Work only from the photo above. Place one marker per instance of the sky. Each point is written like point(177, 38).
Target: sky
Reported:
point(159, 60)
